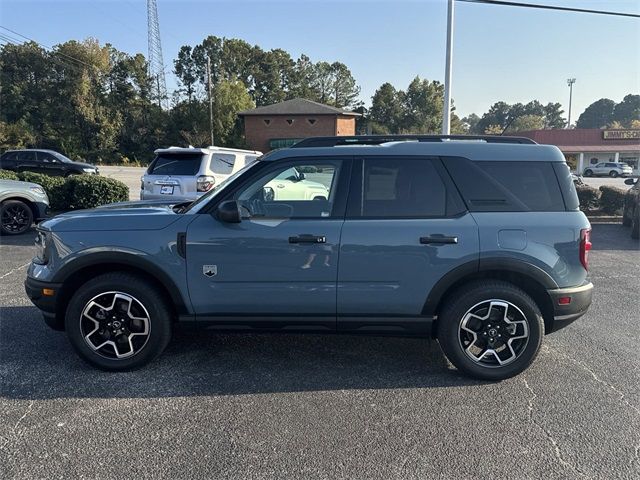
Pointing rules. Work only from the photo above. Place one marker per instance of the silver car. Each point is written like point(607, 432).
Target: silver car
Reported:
point(188, 173)
point(21, 203)
point(610, 169)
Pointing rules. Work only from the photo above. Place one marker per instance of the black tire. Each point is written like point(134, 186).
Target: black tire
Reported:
point(462, 301)
point(16, 217)
point(613, 174)
point(635, 225)
point(588, 172)
point(99, 289)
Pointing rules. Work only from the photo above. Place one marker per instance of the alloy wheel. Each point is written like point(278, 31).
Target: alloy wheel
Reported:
point(16, 218)
point(493, 333)
point(115, 325)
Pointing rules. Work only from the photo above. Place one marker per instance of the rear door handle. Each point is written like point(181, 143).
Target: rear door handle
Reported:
point(438, 239)
point(308, 239)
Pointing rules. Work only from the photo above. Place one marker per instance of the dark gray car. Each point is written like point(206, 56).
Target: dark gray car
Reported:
point(48, 162)
point(479, 244)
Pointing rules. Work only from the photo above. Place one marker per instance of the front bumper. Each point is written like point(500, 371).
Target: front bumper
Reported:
point(42, 210)
point(579, 302)
point(48, 304)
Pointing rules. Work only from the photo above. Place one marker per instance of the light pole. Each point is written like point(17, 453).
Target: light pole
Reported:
point(570, 82)
point(446, 111)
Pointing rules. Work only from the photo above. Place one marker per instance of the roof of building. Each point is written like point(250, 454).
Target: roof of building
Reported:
point(586, 139)
point(298, 106)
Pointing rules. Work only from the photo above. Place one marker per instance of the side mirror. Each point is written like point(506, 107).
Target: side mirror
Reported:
point(228, 212)
point(301, 176)
point(630, 181)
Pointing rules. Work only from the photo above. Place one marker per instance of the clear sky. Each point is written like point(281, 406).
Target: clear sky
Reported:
point(500, 53)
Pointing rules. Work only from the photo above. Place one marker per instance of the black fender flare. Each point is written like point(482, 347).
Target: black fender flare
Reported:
point(127, 259)
point(475, 267)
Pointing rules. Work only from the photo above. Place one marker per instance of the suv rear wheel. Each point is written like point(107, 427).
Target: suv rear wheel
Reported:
point(490, 330)
point(117, 321)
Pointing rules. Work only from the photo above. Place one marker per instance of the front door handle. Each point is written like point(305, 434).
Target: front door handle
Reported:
point(308, 239)
point(438, 239)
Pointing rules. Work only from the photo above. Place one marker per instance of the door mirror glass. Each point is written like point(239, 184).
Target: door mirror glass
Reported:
point(228, 212)
point(630, 181)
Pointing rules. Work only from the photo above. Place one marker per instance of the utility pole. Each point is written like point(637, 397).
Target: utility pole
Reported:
point(210, 98)
point(570, 82)
point(446, 111)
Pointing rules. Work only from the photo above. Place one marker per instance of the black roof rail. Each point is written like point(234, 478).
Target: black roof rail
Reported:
point(378, 139)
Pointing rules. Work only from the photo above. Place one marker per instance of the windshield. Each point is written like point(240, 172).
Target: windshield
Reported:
point(220, 187)
point(61, 157)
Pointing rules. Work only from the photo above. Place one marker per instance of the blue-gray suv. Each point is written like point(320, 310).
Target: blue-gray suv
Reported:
point(476, 241)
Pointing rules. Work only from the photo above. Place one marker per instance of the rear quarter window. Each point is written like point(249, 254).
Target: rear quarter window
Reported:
point(176, 164)
point(222, 163)
point(521, 186)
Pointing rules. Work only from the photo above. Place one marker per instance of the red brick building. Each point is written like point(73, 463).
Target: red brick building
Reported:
point(282, 124)
point(584, 147)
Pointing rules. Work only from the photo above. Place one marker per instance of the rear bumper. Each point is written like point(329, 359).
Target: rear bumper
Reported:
point(47, 304)
point(580, 300)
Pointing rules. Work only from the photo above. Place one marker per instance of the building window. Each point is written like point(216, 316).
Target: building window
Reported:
point(311, 121)
point(267, 121)
point(290, 121)
point(282, 142)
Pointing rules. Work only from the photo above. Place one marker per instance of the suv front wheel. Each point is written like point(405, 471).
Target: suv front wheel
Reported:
point(490, 330)
point(117, 321)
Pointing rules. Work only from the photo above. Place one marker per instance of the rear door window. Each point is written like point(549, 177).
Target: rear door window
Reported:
point(401, 188)
point(507, 186)
point(27, 156)
point(176, 164)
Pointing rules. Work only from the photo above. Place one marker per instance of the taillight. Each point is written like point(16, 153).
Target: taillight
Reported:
point(585, 246)
point(204, 183)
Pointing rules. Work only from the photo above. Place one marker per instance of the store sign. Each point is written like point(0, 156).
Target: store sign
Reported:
point(621, 134)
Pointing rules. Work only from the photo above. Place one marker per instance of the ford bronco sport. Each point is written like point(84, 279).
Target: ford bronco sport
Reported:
point(476, 241)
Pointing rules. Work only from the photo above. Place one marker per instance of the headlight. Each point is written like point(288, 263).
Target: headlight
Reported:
point(37, 190)
point(42, 249)
point(89, 170)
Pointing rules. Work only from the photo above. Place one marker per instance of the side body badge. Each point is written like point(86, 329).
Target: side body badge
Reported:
point(209, 270)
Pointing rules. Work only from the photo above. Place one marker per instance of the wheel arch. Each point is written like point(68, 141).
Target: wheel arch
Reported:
point(528, 277)
point(30, 203)
point(77, 272)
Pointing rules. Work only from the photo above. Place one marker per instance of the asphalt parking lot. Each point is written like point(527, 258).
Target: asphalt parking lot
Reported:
point(304, 406)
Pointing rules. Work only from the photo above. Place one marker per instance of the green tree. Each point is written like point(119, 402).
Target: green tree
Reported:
point(471, 123)
point(386, 109)
point(345, 89)
point(526, 122)
point(230, 98)
point(422, 105)
point(597, 115)
point(627, 110)
point(553, 116)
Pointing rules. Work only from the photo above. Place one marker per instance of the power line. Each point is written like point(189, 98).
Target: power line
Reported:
point(552, 7)
point(50, 48)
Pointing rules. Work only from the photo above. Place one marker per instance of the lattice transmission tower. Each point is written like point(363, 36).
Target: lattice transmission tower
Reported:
point(156, 63)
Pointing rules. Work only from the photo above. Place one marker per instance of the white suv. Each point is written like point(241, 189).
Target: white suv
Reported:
point(609, 168)
point(188, 173)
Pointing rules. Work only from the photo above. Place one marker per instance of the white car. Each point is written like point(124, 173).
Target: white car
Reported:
point(188, 173)
point(610, 169)
point(293, 185)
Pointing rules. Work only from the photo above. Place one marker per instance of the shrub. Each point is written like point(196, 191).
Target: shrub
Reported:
point(588, 196)
point(90, 191)
point(55, 187)
point(8, 175)
point(611, 199)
